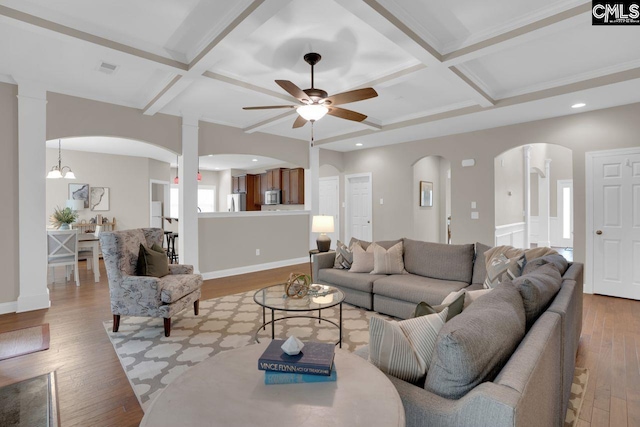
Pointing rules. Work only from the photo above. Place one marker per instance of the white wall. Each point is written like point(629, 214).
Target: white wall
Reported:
point(427, 221)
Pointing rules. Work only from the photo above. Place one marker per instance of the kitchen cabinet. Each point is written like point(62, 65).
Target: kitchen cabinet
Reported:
point(258, 195)
point(263, 186)
point(285, 186)
point(249, 185)
point(239, 184)
point(274, 179)
point(296, 186)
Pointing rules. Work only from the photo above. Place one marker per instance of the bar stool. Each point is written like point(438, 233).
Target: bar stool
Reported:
point(171, 249)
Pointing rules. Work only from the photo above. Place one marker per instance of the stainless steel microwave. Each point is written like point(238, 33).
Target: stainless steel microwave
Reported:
point(272, 197)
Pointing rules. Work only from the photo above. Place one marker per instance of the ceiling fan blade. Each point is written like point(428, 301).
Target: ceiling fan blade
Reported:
point(293, 90)
point(343, 113)
point(352, 96)
point(300, 121)
point(268, 107)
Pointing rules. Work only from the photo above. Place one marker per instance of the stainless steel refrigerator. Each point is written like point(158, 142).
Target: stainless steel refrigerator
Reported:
point(237, 202)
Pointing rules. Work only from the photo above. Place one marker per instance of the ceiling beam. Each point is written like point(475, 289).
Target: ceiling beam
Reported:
point(252, 17)
point(248, 87)
point(271, 121)
point(172, 64)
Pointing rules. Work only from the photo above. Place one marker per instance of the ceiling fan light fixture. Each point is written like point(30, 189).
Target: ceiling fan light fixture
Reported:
point(312, 112)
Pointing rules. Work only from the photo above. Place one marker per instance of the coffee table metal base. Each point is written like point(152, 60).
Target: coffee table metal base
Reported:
point(273, 321)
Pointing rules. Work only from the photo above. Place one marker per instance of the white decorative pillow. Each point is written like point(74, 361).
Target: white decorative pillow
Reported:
point(387, 261)
point(404, 349)
point(501, 268)
point(362, 260)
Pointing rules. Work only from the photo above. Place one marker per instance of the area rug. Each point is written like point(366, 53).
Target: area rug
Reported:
point(30, 403)
point(24, 341)
point(151, 360)
point(578, 389)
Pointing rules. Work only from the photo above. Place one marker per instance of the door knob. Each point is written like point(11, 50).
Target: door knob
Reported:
point(598, 232)
point(368, 222)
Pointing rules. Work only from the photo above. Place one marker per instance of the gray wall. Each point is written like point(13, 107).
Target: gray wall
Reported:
point(231, 242)
point(9, 285)
point(427, 221)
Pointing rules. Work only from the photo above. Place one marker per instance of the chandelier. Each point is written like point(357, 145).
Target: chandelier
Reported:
point(58, 171)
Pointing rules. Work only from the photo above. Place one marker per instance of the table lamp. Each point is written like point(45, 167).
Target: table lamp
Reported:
point(322, 224)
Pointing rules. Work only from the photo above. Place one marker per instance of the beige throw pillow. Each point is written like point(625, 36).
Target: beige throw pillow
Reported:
point(387, 261)
point(362, 260)
point(404, 349)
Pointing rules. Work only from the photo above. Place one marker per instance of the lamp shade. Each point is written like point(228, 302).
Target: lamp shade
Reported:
point(75, 205)
point(322, 224)
point(312, 112)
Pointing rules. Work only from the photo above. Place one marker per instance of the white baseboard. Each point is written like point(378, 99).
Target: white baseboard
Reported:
point(253, 268)
point(8, 307)
point(33, 302)
point(587, 288)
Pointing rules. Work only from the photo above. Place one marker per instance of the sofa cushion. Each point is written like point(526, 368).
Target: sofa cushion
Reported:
point(474, 346)
point(500, 269)
point(510, 252)
point(362, 260)
point(413, 288)
point(344, 256)
point(365, 245)
point(387, 261)
point(537, 289)
point(175, 286)
point(480, 263)
point(439, 261)
point(556, 259)
point(455, 306)
point(345, 279)
point(152, 262)
point(404, 349)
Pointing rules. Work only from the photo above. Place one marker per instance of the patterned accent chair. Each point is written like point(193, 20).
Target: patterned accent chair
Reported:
point(133, 295)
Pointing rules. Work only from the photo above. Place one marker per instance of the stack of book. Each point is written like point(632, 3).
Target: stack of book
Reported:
point(312, 365)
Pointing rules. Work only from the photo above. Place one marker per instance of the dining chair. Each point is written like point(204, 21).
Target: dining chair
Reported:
point(86, 253)
point(62, 251)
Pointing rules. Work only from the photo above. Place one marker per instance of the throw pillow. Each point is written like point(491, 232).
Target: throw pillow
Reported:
point(474, 346)
point(344, 256)
point(480, 264)
point(362, 260)
point(537, 289)
point(387, 261)
point(455, 306)
point(558, 260)
point(469, 297)
point(152, 262)
point(404, 349)
point(501, 268)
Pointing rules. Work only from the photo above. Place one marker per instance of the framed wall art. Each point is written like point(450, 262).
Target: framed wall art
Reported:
point(79, 192)
point(99, 199)
point(426, 193)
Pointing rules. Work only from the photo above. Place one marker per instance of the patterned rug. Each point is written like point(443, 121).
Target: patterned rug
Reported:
point(578, 388)
point(151, 360)
point(24, 341)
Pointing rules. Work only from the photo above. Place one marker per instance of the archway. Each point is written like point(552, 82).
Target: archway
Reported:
point(534, 197)
point(432, 199)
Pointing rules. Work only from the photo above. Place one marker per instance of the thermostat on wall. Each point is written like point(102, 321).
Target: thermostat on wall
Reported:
point(468, 162)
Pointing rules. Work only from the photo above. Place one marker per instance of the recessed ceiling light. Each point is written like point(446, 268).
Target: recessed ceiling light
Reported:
point(359, 144)
point(254, 160)
point(578, 105)
point(217, 168)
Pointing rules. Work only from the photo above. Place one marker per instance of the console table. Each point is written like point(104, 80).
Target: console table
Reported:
point(229, 390)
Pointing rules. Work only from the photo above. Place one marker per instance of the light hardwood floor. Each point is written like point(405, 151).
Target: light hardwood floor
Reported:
point(94, 391)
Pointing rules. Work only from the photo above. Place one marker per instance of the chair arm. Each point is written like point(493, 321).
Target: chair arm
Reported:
point(320, 261)
point(180, 269)
point(145, 289)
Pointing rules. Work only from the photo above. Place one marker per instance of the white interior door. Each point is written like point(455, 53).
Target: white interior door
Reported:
point(616, 225)
point(329, 204)
point(358, 209)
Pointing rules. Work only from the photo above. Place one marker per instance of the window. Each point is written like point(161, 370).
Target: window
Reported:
point(206, 199)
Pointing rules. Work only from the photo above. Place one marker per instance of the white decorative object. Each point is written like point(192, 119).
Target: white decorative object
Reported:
point(292, 346)
point(468, 163)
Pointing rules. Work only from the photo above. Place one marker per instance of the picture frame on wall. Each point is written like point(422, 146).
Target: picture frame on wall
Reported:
point(426, 194)
point(99, 199)
point(79, 192)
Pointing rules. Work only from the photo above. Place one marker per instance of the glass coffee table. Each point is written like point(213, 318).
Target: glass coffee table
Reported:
point(273, 298)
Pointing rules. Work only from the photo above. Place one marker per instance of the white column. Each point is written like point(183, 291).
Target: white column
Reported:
point(32, 130)
point(544, 205)
point(313, 199)
point(527, 196)
point(188, 189)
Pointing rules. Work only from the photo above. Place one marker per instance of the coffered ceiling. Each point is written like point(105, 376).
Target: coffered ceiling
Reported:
point(439, 67)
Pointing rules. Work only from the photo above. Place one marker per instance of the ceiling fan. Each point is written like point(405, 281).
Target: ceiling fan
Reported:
point(315, 103)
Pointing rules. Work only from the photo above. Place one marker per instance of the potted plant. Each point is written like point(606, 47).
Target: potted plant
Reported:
point(61, 218)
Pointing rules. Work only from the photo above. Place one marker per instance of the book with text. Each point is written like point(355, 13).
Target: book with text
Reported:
point(273, 377)
point(314, 359)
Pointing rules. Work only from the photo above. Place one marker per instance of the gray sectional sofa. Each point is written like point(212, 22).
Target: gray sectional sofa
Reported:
point(531, 388)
